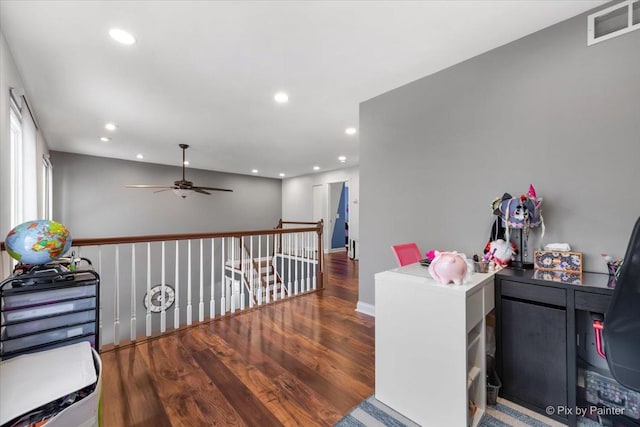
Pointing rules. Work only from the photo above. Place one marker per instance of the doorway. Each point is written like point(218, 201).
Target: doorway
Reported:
point(339, 215)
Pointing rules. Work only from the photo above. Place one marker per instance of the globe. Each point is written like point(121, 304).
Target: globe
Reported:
point(38, 242)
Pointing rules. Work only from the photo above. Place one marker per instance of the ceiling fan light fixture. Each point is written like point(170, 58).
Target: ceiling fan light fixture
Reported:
point(180, 187)
point(180, 192)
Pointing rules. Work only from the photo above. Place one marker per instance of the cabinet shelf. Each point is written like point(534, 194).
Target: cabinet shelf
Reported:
point(474, 338)
point(473, 375)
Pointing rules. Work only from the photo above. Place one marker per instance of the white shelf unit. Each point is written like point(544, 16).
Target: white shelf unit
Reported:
point(430, 345)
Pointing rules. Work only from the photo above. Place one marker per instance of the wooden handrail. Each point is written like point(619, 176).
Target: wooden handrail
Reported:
point(95, 241)
point(318, 228)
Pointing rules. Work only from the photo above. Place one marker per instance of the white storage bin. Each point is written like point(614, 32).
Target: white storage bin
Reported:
point(48, 310)
point(34, 326)
point(27, 341)
point(67, 369)
point(25, 299)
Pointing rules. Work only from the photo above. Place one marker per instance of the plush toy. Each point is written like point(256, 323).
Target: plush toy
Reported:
point(499, 251)
point(519, 212)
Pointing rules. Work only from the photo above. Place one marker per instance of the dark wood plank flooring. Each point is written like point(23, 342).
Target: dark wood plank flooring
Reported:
point(302, 362)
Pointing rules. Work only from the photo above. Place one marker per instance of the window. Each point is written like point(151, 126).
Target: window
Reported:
point(47, 188)
point(17, 213)
point(24, 166)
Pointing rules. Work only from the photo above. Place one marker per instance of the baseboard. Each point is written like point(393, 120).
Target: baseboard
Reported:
point(365, 308)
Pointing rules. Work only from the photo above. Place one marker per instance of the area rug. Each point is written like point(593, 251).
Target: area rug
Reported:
point(373, 413)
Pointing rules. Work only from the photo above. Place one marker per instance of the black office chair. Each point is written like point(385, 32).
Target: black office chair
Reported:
point(622, 320)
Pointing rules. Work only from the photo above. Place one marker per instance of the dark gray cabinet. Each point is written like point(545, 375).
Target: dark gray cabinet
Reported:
point(536, 337)
point(534, 359)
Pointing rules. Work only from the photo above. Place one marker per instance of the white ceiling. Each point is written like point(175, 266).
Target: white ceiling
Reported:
point(204, 73)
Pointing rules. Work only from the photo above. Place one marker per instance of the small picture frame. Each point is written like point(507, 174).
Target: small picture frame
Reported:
point(558, 261)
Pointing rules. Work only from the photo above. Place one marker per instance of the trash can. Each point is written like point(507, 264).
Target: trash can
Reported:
point(493, 382)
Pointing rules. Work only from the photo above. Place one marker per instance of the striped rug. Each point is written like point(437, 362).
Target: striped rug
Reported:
point(373, 413)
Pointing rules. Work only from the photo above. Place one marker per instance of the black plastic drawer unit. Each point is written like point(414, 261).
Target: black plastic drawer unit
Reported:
point(40, 311)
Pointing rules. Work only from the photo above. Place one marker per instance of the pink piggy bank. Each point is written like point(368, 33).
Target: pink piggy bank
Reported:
point(449, 267)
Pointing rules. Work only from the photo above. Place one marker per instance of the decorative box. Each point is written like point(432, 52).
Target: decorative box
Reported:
point(558, 261)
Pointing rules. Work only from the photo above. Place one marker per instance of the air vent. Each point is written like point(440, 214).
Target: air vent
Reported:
point(613, 21)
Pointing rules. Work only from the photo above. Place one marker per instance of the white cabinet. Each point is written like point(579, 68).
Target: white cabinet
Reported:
point(430, 345)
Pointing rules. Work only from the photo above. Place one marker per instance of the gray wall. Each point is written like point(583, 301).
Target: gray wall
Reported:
point(545, 109)
point(90, 198)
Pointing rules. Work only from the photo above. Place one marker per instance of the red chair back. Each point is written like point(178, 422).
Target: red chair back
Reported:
point(406, 253)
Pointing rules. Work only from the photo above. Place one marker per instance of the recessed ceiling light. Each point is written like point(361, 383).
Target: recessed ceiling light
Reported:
point(105, 139)
point(110, 127)
point(281, 175)
point(316, 168)
point(186, 162)
point(350, 131)
point(281, 97)
point(254, 170)
point(122, 36)
point(342, 159)
point(140, 156)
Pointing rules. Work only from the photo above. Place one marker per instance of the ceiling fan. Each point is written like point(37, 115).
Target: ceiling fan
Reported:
point(182, 186)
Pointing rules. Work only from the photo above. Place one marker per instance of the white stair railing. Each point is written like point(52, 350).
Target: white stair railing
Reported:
point(234, 272)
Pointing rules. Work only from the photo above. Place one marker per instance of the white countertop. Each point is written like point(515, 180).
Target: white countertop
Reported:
point(418, 273)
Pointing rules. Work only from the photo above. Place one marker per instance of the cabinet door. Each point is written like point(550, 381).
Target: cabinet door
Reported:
point(534, 354)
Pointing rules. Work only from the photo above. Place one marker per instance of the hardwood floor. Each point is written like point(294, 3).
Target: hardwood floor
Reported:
point(302, 362)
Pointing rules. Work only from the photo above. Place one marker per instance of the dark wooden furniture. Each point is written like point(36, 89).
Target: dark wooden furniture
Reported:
point(536, 336)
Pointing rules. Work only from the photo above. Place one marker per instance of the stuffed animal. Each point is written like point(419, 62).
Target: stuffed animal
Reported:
point(499, 251)
point(519, 212)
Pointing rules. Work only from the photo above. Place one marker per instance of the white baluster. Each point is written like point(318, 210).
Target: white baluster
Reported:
point(243, 272)
point(259, 270)
point(315, 265)
point(189, 307)
point(116, 301)
point(281, 244)
point(176, 284)
point(295, 278)
point(163, 281)
point(252, 272)
point(223, 275)
point(233, 274)
point(201, 303)
point(308, 259)
point(288, 267)
point(148, 316)
point(212, 303)
point(133, 292)
point(268, 266)
point(101, 295)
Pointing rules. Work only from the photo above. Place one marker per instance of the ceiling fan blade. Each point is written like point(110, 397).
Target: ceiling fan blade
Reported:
point(211, 188)
point(164, 189)
point(148, 186)
point(200, 190)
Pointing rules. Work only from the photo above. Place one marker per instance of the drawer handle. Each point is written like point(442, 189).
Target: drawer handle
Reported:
point(597, 329)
